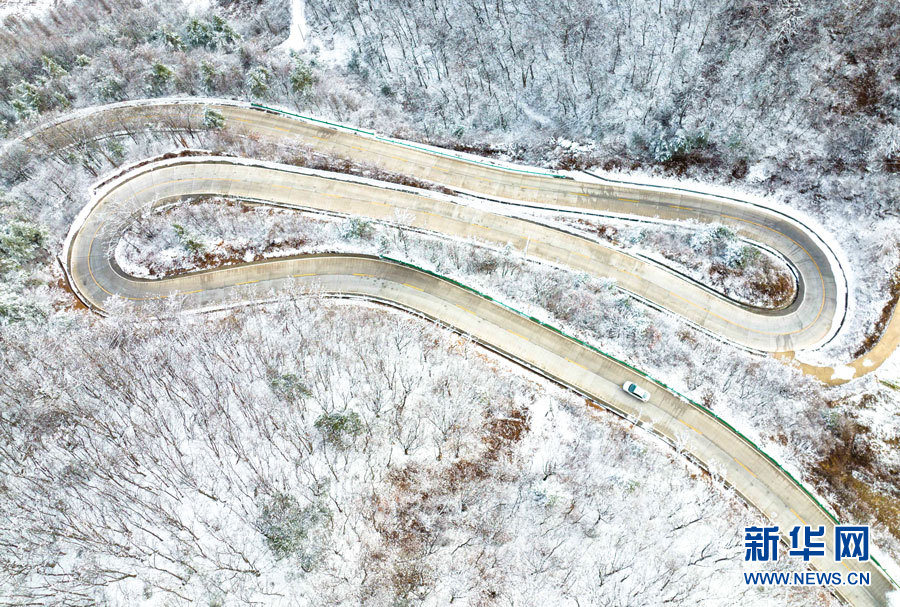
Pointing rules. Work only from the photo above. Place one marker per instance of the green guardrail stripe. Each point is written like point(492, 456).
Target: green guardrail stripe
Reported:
point(409, 145)
point(551, 327)
point(334, 124)
point(471, 160)
point(643, 374)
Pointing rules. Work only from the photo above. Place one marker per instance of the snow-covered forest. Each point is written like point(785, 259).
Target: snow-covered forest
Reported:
point(208, 233)
point(711, 254)
point(361, 458)
point(794, 101)
point(335, 454)
point(771, 403)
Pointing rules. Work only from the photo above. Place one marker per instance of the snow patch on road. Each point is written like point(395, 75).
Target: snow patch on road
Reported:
point(893, 599)
point(843, 372)
point(890, 370)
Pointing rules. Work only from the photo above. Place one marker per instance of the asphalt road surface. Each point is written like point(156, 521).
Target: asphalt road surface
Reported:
point(96, 278)
point(811, 319)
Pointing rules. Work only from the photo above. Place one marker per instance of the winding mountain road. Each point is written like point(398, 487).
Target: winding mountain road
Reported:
point(97, 279)
point(812, 319)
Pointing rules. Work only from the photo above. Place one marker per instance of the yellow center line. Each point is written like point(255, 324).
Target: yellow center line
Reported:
point(246, 282)
point(191, 292)
point(799, 517)
point(744, 467)
point(691, 303)
point(153, 185)
point(675, 206)
point(691, 427)
point(465, 309)
point(517, 335)
point(301, 275)
point(579, 364)
point(258, 123)
point(821, 278)
point(406, 284)
point(719, 316)
point(90, 268)
point(94, 278)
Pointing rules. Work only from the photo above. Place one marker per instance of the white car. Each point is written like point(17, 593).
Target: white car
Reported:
point(636, 391)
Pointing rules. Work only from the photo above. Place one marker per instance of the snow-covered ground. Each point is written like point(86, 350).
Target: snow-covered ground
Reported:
point(298, 38)
point(198, 6)
point(177, 239)
point(25, 8)
point(890, 370)
point(773, 405)
point(710, 254)
point(215, 232)
point(793, 121)
point(318, 453)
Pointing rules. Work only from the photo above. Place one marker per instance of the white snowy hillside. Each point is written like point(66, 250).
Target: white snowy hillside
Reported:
point(280, 448)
